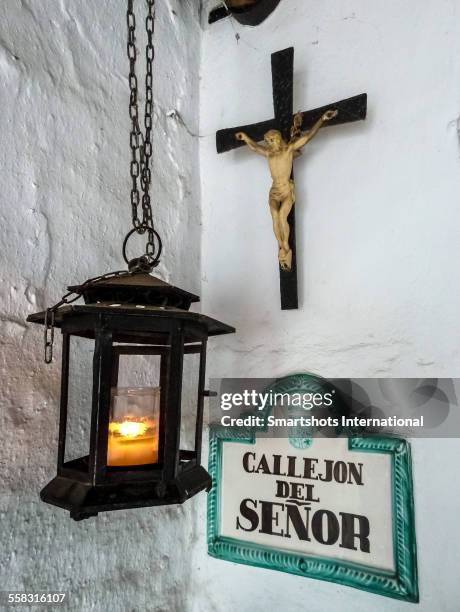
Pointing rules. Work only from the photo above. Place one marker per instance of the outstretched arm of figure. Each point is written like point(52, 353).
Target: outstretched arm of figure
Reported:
point(302, 140)
point(257, 148)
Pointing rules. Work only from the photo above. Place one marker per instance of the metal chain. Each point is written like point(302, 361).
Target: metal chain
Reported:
point(68, 298)
point(141, 153)
point(141, 142)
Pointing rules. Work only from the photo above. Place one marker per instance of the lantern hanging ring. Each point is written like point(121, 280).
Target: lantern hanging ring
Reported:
point(151, 258)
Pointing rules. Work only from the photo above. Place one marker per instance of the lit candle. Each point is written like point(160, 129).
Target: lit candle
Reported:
point(132, 443)
point(133, 436)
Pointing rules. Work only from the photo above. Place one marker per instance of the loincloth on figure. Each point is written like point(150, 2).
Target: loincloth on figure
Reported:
point(282, 192)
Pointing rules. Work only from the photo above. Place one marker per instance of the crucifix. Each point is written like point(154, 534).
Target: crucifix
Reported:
point(283, 138)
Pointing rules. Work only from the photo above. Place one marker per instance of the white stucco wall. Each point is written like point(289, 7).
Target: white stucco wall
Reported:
point(378, 243)
point(63, 214)
point(378, 240)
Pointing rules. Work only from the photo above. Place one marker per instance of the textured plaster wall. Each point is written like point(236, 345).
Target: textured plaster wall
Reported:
point(378, 240)
point(378, 244)
point(64, 211)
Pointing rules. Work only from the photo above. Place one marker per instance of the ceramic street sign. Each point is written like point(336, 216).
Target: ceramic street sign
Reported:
point(338, 509)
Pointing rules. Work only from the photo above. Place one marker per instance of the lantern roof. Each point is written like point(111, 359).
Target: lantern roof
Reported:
point(136, 294)
point(135, 288)
point(213, 326)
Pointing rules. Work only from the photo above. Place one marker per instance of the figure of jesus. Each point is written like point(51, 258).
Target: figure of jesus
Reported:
point(280, 156)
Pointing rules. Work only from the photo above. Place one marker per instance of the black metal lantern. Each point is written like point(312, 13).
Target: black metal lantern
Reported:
point(135, 457)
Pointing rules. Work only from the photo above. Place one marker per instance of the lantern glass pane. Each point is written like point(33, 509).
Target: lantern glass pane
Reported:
point(189, 404)
point(137, 370)
point(134, 424)
point(79, 401)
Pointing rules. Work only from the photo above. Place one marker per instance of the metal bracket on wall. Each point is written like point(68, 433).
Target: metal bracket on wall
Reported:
point(253, 14)
point(218, 13)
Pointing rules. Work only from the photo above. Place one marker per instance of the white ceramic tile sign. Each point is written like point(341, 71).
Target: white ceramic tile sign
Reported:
point(340, 509)
point(326, 501)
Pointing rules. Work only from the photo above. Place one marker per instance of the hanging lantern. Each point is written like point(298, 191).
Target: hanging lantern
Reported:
point(136, 457)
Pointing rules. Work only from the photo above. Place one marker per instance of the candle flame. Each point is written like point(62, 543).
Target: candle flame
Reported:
point(128, 429)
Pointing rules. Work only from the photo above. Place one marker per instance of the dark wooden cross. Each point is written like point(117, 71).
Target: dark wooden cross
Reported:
point(351, 109)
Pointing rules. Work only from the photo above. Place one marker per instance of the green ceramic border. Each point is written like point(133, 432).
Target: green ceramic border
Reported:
point(400, 584)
